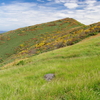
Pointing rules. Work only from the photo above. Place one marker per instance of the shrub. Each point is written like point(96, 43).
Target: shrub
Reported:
point(1, 60)
point(20, 62)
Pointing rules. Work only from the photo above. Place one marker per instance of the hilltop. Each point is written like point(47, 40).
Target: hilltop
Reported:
point(28, 40)
point(36, 39)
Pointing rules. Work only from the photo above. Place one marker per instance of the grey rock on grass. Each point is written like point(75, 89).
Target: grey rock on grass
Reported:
point(49, 77)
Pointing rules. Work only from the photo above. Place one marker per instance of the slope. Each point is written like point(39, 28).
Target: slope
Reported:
point(33, 40)
point(15, 41)
point(76, 67)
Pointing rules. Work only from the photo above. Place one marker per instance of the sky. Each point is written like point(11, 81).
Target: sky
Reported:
point(21, 13)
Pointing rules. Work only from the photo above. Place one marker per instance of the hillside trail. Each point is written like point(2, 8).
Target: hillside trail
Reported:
point(90, 37)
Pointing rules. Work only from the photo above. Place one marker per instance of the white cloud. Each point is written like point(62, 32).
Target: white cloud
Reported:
point(90, 1)
point(24, 14)
point(65, 1)
point(71, 5)
point(88, 13)
point(18, 15)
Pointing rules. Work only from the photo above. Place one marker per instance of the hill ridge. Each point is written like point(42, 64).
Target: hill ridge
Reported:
point(36, 39)
point(24, 38)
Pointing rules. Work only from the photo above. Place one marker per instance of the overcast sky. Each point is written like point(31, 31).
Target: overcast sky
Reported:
point(20, 13)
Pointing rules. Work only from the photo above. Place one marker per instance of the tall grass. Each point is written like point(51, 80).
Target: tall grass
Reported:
point(76, 69)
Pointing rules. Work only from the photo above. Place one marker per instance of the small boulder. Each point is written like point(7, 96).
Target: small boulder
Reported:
point(49, 77)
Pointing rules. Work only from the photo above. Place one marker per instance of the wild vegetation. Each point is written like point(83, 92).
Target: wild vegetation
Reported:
point(32, 40)
point(25, 60)
point(76, 69)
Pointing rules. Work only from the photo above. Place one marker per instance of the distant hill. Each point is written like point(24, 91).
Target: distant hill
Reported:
point(2, 32)
point(32, 40)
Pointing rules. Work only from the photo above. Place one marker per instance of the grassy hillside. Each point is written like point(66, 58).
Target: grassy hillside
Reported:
point(76, 69)
point(29, 39)
point(33, 40)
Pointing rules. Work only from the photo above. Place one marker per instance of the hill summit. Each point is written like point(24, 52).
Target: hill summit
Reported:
point(36, 39)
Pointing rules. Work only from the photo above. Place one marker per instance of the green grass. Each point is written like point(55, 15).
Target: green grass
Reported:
point(77, 71)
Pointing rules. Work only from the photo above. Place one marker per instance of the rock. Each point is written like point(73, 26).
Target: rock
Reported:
point(49, 77)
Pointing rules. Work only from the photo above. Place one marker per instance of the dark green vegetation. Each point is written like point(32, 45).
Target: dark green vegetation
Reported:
point(77, 70)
